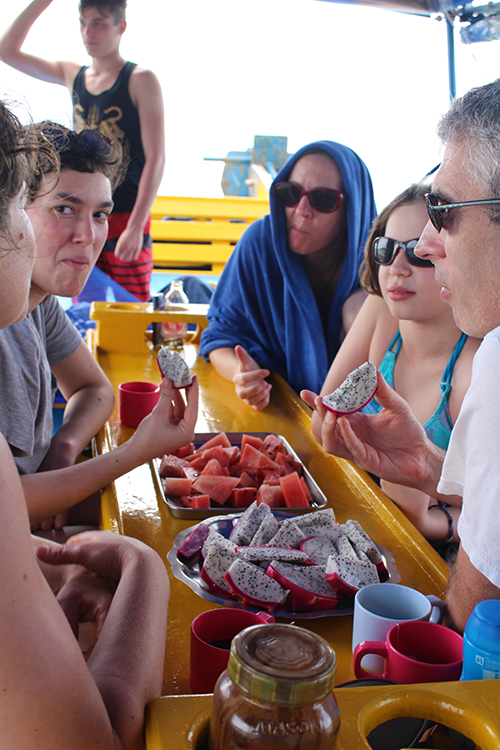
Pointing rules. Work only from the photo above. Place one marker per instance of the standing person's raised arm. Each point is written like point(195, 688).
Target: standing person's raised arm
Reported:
point(11, 43)
point(146, 94)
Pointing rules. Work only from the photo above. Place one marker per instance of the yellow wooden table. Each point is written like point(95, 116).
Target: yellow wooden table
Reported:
point(134, 504)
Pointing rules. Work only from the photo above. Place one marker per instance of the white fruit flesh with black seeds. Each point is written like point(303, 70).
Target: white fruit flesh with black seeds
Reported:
point(355, 392)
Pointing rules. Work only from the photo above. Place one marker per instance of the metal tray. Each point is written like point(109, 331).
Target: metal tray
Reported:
point(180, 511)
point(189, 573)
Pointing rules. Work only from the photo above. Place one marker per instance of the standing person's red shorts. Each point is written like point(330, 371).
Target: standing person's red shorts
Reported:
point(135, 276)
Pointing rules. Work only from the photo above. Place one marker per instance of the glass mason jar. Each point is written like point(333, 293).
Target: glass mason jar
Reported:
point(276, 692)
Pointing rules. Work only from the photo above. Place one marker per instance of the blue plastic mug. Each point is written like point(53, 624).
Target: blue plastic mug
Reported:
point(482, 642)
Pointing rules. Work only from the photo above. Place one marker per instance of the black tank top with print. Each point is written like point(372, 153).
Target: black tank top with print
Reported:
point(113, 113)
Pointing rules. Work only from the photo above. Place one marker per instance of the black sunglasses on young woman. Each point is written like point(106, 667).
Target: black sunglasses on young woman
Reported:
point(385, 249)
point(323, 200)
point(439, 211)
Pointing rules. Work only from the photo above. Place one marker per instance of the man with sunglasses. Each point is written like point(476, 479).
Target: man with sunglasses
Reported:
point(462, 239)
point(123, 101)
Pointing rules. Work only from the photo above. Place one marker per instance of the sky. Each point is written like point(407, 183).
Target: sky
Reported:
point(375, 80)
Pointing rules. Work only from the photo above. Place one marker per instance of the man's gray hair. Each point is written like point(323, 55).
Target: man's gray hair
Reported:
point(473, 121)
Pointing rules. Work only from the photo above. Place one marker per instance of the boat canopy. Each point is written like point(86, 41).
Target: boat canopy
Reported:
point(478, 21)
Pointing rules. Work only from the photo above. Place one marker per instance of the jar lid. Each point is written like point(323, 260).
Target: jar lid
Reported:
point(282, 664)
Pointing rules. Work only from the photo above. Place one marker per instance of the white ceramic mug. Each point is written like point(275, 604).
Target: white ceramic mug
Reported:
point(380, 606)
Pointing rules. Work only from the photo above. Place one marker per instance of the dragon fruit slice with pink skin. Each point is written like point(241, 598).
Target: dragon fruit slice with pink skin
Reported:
point(218, 560)
point(269, 526)
point(356, 391)
point(171, 365)
point(307, 586)
point(346, 576)
point(193, 544)
point(289, 535)
point(212, 535)
point(320, 523)
point(250, 584)
point(248, 524)
point(258, 554)
point(318, 549)
point(362, 543)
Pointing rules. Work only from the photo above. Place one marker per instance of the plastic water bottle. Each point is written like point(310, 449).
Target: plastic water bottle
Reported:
point(175, 334)
point(482, 642)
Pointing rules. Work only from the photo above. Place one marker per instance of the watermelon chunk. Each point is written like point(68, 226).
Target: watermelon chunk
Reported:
point(213, 467)
point(251, 458)
point(186, 450)
point(270, 494)
point(242, 497)
point(251, 440)
point(218, 488)
point(293, 492)
point(220, 439)
point(200, 501)
point(272, 445)
point(177, 487)
point(246, 480)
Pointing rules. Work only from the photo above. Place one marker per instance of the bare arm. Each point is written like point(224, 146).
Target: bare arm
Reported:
point(90, 400)
point(127, 661)
point(145, 91)
point(466, 588)
point(167, 428)
point(41, 666)
point(237, 366)
point(13, 39)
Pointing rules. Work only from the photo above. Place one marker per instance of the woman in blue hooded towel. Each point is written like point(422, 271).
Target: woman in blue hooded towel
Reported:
point(279, 303)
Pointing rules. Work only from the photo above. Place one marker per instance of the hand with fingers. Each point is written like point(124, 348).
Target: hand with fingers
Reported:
point(249, 380)
point(392, 444)
point(171, 423)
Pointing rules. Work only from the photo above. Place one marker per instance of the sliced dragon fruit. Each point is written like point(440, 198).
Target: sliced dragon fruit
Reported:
point(288, 535)
point(318, 549)
point(250, 584)
point(346, 576)
point(362, 543)
point(212, 534)
point(193, 543)
point(264, 553)
point(307, 585)
point(268, 528)
point(219, 558)
point(345, 548)
point(248, 523)
point(320, 523)
point(355, 392)
point(171, 365)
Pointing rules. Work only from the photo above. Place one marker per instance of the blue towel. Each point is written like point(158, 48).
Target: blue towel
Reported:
point(264, 301)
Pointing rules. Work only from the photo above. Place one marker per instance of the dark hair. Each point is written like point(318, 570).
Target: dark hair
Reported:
point(368, 273)
point(87, 151)
point(115, 8)
point(19, 149)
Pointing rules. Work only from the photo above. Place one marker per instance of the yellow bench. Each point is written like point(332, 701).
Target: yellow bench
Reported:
point(197, 235)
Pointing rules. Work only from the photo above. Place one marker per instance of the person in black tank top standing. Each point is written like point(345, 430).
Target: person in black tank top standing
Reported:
point(123, 101)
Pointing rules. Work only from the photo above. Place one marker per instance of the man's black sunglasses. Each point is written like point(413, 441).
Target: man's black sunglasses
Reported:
point(323, 200)
point(437, 211)
point(384, 250)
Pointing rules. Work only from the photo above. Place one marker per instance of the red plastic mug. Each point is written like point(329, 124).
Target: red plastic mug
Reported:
point(136, 400)
point(415, 652)
point(211, 635)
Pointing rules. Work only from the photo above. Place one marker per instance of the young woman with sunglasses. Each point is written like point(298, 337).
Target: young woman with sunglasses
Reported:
point(409, 333)
point(280, 302)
